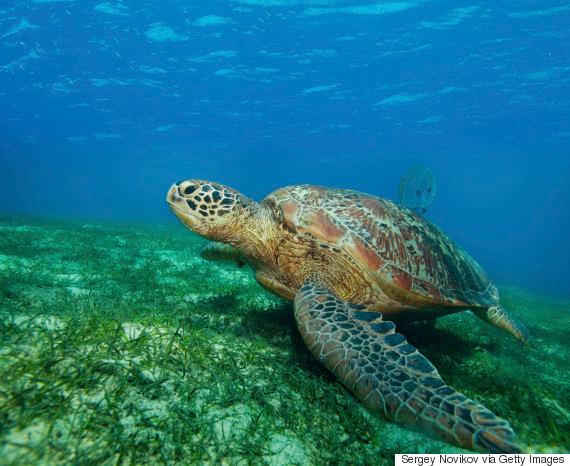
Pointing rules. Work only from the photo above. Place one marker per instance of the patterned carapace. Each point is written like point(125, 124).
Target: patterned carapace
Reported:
point(403, 248)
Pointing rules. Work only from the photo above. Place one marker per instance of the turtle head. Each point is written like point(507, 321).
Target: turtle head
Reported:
point(210, 209)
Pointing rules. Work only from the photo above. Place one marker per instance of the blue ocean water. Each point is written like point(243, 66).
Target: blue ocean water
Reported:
point(104, 104)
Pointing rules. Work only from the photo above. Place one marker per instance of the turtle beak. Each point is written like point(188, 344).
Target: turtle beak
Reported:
point(180, 207)
point(172, 196)
point(176, 202)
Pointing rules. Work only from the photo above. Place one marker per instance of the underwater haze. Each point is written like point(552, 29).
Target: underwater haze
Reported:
point(124, 339)
point(104, 104)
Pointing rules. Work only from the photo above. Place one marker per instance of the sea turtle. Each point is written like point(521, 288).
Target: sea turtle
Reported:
point(354, 264)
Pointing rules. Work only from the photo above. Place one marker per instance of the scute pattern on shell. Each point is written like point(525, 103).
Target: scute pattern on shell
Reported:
point(409, 251)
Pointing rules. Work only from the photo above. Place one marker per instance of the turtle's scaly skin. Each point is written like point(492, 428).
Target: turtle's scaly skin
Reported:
point(389, 375)
point(353, 262)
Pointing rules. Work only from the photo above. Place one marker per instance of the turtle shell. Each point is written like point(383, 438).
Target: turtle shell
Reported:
point(415, 262)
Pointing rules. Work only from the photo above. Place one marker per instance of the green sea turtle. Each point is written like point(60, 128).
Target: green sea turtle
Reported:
point(354, 264)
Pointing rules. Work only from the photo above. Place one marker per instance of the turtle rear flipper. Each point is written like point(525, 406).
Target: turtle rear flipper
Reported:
point(498, 316)
point(389, 375)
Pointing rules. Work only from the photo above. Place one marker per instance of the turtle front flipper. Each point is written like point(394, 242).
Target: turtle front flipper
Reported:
point(498, 316)
point(215, 251)
point(389, 375)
